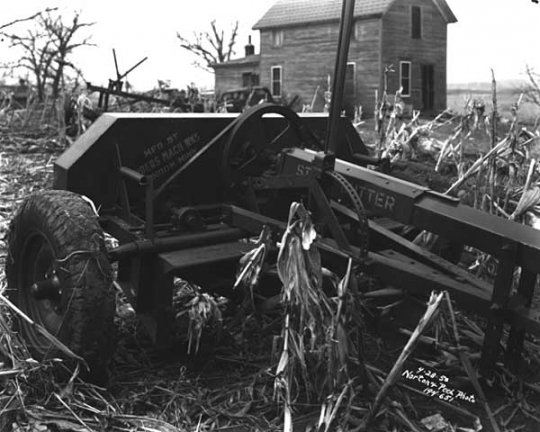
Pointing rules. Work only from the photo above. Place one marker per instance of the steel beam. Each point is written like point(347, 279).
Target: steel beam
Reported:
point(525, 292)
point(497, 312)
point(417, 273)
point(411, 204)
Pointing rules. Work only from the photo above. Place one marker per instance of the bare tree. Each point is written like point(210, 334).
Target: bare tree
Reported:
point(65, 43)
point(46, 49)
point(210, 47)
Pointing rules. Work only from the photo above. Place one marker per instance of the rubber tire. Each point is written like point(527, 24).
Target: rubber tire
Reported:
point(87, 303)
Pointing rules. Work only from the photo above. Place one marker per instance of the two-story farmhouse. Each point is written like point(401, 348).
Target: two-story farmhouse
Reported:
point(299, 44)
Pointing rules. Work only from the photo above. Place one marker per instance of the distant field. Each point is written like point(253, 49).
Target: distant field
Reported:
point(528, 112)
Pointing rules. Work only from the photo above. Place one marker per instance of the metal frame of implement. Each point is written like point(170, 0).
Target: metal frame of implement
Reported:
point(153, 249)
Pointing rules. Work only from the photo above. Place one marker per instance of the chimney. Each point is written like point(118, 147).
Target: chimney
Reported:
point(250, 49)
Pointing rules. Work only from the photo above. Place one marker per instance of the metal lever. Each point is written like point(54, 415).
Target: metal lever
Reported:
point(338, 84)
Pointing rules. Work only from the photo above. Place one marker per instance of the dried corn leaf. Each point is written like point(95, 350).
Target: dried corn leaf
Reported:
point(252, 262)
point(529, 199)
point(433, 304)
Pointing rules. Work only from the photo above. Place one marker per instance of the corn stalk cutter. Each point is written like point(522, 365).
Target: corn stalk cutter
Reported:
point(183, 192)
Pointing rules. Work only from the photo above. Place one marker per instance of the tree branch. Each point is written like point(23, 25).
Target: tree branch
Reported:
point(197, 49)
point(210, 46)
point(30, 18)
point(232, 41)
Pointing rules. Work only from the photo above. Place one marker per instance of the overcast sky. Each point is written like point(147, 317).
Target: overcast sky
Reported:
point(499, 34)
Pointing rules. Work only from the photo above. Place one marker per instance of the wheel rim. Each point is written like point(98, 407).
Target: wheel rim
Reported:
point(38, 265)
point(249, 150)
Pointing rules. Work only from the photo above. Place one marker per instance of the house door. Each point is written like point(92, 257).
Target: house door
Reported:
point(428, 87)
point(349, 96)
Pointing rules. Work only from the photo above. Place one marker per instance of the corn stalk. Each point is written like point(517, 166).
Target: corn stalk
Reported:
point(391, 379)
point(316, 342)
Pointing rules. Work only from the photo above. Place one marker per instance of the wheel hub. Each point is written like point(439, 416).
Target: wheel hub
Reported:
point(41, 295)
point(48, 289)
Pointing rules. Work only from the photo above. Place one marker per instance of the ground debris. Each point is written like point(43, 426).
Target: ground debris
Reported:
point(435, 423)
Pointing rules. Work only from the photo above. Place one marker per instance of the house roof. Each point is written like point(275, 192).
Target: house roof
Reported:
point(291, 12)
point(286, 13)
point(249, 60)
point(445, 11)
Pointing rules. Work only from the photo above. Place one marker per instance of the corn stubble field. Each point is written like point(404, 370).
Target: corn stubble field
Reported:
point(259, 368)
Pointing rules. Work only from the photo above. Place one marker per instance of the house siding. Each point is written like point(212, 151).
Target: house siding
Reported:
point(308, 56)
point(398, 45)
point(365, 52)
point(230, 77)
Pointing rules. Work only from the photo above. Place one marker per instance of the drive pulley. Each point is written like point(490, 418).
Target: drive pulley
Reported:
point(251, 147)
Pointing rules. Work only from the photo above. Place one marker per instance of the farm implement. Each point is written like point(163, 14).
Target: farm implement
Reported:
point(184, 193)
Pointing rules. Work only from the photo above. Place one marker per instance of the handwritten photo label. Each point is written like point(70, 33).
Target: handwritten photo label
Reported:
point(436, 386)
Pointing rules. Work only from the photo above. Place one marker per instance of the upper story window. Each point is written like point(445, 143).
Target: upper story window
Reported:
point(416, 22)
point(405, 77)
point(276, 75)
point(360, 30)
point(277, 38)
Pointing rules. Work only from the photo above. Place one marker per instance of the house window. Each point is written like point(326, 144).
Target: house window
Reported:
point(416, 22)
point(277, 38)
point(363, 31)
point(250, 79)
point(360, 31)
point(405, 77)
point(349, 90)
point(277, 80)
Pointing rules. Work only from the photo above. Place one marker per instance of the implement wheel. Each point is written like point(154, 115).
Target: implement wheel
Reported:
point(58, 274)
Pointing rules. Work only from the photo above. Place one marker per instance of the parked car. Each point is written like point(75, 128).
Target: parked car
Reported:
point(238, 100)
